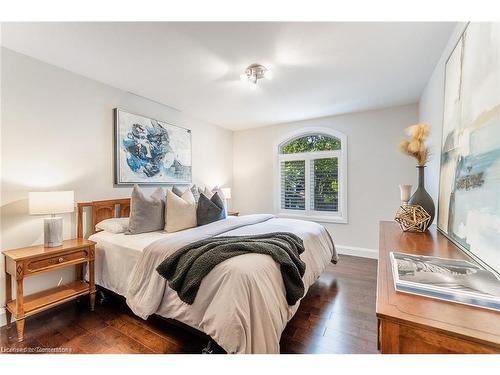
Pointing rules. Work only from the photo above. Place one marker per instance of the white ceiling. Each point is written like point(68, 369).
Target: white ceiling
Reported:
point(319, 69)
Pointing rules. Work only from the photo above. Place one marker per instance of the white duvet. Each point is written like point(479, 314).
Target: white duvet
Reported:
point(241, 303)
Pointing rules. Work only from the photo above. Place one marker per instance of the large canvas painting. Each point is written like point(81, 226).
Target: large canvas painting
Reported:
point(469, 189)
point(149, 151)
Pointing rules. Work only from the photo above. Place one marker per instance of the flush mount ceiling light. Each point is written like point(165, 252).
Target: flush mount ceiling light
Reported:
point(255, 72)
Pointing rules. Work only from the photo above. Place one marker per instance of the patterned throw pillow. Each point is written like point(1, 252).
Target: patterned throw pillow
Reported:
point(210, 210)
point(147, 214)
point(196, 193)
point(208, 193)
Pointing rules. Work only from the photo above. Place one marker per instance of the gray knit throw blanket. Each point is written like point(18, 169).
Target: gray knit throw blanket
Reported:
point(186, 268)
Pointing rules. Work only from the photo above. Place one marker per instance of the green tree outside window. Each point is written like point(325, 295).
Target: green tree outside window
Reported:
point(311, 143)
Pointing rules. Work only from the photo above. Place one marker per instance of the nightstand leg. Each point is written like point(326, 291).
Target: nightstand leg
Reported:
point(8, 295)
point(92, 285)
point(20, 309)
point(20, 329)
point(92, 301)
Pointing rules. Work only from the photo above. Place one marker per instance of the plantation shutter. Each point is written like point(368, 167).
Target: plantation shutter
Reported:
point(324, 184)
point(293, 184)
point(311, 177)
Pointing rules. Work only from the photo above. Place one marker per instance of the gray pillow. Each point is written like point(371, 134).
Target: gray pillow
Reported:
point(194, 190)
point(146, 214)
point(177, 191)
point(221, 196)
point(196, 193)
point(210, 210)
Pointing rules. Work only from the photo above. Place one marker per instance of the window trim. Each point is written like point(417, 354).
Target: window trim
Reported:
point(308, 214)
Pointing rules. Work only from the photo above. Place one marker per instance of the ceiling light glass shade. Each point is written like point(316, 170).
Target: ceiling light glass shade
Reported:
point(255, 72)
point(51, 202)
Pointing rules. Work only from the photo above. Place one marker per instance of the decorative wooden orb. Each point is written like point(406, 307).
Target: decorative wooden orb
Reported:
point(413, 218)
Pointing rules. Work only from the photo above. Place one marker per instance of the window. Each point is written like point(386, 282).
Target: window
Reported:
point(311, 175)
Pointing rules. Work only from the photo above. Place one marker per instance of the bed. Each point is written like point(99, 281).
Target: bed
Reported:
point(241, 303)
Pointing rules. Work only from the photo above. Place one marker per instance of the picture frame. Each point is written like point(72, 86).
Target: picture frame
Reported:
point(469, 203)
point(148, 151)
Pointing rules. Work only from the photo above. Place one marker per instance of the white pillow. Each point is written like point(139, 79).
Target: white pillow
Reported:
point(113, 225)
point(180, 211)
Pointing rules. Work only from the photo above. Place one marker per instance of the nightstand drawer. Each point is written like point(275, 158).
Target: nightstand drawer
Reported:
point(68, 258)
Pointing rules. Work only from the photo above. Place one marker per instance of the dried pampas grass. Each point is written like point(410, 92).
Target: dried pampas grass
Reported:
point(415, 147)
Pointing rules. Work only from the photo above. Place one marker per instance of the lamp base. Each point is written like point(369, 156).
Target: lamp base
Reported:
point(52, 231)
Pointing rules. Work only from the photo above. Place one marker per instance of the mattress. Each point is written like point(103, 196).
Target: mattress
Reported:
point(116, 256)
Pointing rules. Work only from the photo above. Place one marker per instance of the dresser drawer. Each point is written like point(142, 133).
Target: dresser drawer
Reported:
point(68, 258)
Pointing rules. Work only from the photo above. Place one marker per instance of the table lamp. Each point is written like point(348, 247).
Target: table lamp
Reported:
point(52, 203)
point(227, 195)
point(226, 192)
point(405, 194)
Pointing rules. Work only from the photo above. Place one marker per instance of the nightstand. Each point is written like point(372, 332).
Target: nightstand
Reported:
point(34, 260)
point(233, 213)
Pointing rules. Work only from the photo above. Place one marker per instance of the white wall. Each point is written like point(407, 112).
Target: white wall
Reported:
point(375, 168)
point(430, 111)
point(57, 130)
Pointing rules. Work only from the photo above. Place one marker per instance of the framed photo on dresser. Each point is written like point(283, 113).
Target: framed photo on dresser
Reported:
point(149, 151)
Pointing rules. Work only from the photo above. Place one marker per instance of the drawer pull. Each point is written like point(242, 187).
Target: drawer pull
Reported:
point(61, 259)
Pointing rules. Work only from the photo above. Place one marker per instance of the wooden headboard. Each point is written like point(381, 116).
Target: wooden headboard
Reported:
point(102, 210)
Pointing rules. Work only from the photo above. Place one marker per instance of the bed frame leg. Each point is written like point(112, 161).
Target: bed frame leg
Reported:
point(102, 297)
point(209, 348)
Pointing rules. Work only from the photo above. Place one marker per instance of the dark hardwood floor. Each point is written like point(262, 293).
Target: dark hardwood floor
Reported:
point(336, 316)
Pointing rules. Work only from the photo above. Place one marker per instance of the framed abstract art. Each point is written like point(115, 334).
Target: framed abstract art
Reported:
point(469, 188)
point(149, 151)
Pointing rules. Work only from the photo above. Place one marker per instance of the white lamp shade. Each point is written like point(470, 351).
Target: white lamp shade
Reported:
point(51, 202)
point(405, 192)
point(226, 192)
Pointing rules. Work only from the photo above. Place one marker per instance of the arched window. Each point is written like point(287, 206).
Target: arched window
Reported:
point(312, 176)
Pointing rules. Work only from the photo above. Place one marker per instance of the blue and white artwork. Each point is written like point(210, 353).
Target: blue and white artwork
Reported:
point(150, 151)
point(469, 189)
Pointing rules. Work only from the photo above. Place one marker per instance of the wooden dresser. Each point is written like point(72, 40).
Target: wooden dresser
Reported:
point(415, 324)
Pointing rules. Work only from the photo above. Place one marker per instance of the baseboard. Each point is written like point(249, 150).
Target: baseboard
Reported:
point(357, 251)
point(3, 317)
